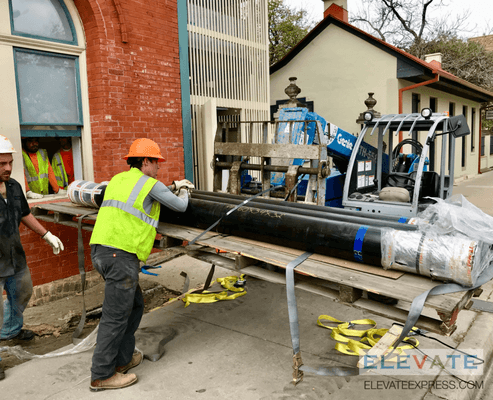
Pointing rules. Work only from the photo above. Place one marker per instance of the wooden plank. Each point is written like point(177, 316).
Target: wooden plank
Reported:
point(287, 151)
point(349, 294)
point(326, 259)
point(72, 224)
point(382, 347)
point(309, 285)
point(68, 208)
point(406, 288)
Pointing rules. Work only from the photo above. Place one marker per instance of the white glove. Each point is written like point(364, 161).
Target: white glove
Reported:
point(182, 193)
point(62, 192)
point(32, 195)
point(54, 242)
point(184, 183)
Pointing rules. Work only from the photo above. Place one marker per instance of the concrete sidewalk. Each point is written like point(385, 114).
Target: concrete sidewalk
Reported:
point(242, 349)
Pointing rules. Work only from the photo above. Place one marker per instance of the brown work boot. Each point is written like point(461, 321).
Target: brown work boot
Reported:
point(117, 381)
point(136, 360)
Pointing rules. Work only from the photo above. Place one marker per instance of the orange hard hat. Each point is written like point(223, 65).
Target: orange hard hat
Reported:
point(144, 148)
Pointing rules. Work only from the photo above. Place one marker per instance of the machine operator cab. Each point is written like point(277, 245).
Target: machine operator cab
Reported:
point(401, 176)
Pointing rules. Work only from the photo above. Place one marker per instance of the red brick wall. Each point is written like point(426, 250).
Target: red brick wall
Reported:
point(134, 92)
point(44, 265)
point(134, 87)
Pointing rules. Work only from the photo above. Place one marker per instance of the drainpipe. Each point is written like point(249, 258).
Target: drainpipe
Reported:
point(480, 137)
point(435, 79)
point(484, 108)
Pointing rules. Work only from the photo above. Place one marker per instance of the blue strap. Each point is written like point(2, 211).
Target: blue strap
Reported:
point(402, 220)
point(358, 243)
point(144, 269)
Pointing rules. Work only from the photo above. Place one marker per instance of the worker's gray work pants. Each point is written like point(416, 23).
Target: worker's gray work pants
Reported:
point(123, 307)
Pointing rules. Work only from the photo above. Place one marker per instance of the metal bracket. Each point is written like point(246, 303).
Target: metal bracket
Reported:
point(297, 373)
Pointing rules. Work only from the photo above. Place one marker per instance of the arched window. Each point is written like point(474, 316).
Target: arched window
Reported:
point(42, 19)
point(43, 63)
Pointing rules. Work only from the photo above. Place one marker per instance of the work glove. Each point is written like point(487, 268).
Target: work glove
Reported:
point(62, 192)
point(31, 195)
point(182, 193)
point(54, 242)
point(184, 183)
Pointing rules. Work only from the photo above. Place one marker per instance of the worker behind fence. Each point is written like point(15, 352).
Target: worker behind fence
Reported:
point(15, 277)
point(124, 233)
point(63, 163)
point(38, 171)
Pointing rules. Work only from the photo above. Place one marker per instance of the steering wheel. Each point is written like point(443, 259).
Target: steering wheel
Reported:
point(418, 147)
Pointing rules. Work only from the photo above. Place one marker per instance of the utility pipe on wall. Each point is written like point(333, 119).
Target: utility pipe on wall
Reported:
point(484, 108)
point(402, 90)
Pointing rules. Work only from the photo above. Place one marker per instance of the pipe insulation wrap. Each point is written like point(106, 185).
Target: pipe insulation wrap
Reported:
point(452, 258)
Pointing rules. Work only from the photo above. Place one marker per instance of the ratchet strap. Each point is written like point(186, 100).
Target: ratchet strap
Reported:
point(419, 301)
point(205, 296)
point(82, 272)
point(298, 367)
point(369, 337)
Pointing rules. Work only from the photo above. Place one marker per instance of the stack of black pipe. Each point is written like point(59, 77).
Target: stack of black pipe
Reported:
point(341, 233)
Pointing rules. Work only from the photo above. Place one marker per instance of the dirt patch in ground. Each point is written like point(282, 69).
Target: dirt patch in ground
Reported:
point(49, 339)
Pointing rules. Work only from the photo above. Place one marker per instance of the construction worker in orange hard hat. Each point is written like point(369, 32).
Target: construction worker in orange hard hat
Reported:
point(123, 235)
point(15, 277)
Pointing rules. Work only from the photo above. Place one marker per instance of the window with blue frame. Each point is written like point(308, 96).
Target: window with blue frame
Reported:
point(47, 81)
point(42, 19)
point(48, 88)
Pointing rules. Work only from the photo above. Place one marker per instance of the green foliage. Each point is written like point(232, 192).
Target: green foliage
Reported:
point(286, 28)
point(467, 60)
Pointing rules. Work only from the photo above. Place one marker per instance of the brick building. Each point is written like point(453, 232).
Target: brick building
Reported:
point(102, 72)
point(486, 41)
point(105, 72)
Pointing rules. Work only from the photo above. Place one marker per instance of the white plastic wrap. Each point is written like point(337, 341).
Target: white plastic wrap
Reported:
point(457, 214)
point(453, 243)
point(86, 344)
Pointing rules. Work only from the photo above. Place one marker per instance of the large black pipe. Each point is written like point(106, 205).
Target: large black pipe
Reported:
point(335, 238)
point(329, 210)
point(360, 219)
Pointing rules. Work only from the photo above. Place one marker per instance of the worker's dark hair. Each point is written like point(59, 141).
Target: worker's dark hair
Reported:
point(136, 162)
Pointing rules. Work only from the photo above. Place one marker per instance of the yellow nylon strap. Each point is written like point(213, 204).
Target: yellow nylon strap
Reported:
point(208, 297)
point(369, 337)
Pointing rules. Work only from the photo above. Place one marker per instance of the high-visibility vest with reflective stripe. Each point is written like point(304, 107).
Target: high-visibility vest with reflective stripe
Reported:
point(59, 170)
point(38, 182)
point(122, 221)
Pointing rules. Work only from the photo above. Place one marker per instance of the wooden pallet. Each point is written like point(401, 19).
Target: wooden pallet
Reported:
point(341, 280)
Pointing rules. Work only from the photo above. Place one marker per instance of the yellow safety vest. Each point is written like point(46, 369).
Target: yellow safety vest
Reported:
point(38, 182)
point(59, 170)
point(122, 221)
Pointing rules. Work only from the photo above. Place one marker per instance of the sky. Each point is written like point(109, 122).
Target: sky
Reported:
point(482, 9)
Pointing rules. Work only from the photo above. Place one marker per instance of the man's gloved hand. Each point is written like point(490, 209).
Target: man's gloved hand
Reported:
point(54, 242)
point(184, 183)
point(182, 193)
point(31, 195)
point(62, 192)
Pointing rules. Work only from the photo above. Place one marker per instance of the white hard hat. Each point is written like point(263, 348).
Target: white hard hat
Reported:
point(6, 145)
